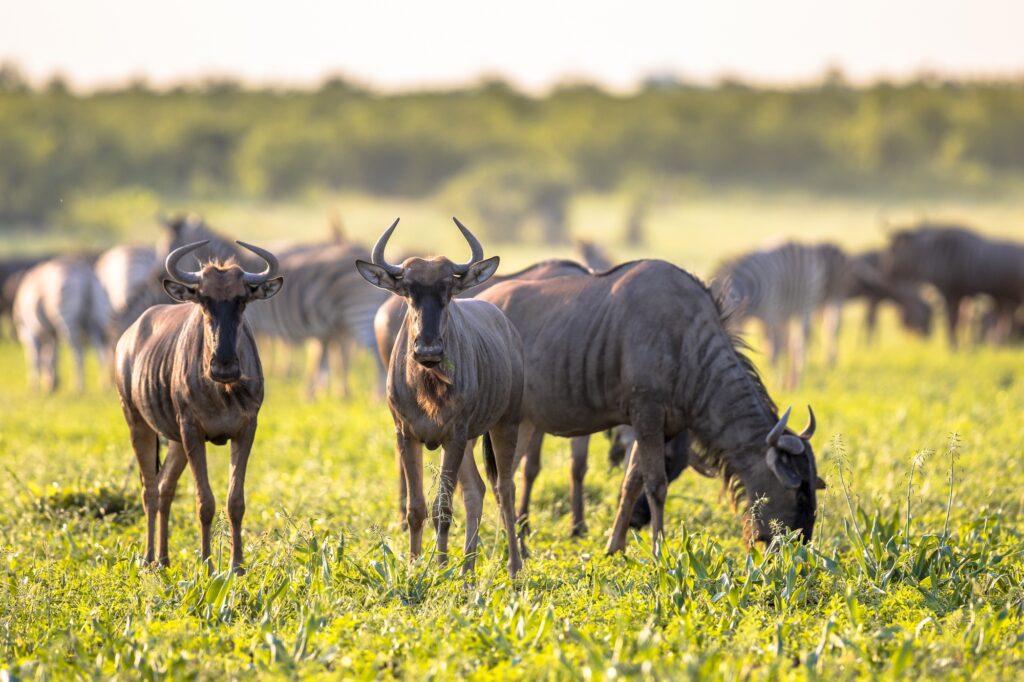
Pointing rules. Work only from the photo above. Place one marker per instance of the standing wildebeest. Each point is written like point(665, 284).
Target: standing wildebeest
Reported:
point(192, 374)
point(960, 264)
point(678, 454)
point(456, 373)
point(60, 300)
point(327, 301)
point(645, 344)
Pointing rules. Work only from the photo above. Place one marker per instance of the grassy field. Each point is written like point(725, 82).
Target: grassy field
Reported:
point(917, 567)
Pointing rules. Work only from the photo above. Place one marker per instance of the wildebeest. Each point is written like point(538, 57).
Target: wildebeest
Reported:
point(456, 373)
point(60, 300)
point(915, 313)
point(645, 344)
point(191, 373)
point(326, 302)
point(960, 264)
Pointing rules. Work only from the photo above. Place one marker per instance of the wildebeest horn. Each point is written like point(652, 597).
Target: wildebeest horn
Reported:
point(171, 264)
point(779, 429)
point(378, 252)
point(475, 247)
point(268, 272)
point(811, 425)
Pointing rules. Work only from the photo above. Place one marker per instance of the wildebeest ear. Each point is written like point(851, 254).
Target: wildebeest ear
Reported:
point(819, 483)
point(780, 466)
point(265, 290)
point(178, 291)
point(477, 274)
point(378, 276)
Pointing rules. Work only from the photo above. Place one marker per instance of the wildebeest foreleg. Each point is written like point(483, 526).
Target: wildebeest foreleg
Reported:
point(579, 447)
point(503, 440)
point(442, 507)
point(416, 504)
point(648, 464)
point(473, 500)
point(952, 302)
point(145, 444)
point(170, 473)
point(206, 506)
point(240, 449)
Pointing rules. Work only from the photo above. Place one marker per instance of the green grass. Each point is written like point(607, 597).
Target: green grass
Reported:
point(913, 572)
point(883, 591)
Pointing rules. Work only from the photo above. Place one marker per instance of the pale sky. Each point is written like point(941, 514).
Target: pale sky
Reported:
point(397, 45)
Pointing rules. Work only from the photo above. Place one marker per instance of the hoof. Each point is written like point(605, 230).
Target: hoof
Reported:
point(579, 531)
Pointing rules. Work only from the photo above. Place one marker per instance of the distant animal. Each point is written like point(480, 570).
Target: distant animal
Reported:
point(11, 272)
point(60, 300)
point(593, 362)
point(789, 284)
point(122, 270)
point(915, 312)
point(455, 373)
point(192, 374)
point(961, 265)
point(596, 258)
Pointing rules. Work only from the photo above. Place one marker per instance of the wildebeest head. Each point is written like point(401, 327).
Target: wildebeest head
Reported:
point(903, 259)
point(917, 315)
point(788, 492)
point(222, 290)
point(428, 286)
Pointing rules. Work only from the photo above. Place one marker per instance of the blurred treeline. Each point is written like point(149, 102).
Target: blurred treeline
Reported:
point(494, 145)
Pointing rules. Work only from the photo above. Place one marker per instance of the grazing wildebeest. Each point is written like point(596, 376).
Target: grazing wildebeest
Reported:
point(192, 374)
point(915, 313)
point(594, 361)
point(960, 264)
point(677, 451)
point(456, 373)
point(60, 300)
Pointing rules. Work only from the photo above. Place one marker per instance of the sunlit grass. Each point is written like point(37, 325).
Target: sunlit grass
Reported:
point(887, 589)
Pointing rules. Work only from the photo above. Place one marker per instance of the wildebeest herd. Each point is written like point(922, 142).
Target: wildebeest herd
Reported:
point(642, 349)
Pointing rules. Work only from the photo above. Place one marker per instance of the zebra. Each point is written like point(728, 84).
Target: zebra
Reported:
point(122, 270)
point(60, 300)
point(788, 284)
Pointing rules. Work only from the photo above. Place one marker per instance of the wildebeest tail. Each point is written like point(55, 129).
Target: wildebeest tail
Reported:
point(489, 460)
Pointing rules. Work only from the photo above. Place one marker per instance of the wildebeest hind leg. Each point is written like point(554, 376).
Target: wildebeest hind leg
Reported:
point(579, 448)
point(170, 473)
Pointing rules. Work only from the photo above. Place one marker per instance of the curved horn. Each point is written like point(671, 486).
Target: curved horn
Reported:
point(778, 429)
point(811, 425)
point(475, 247)
point(171, 264)
point(268, 272)
point(378, 252)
